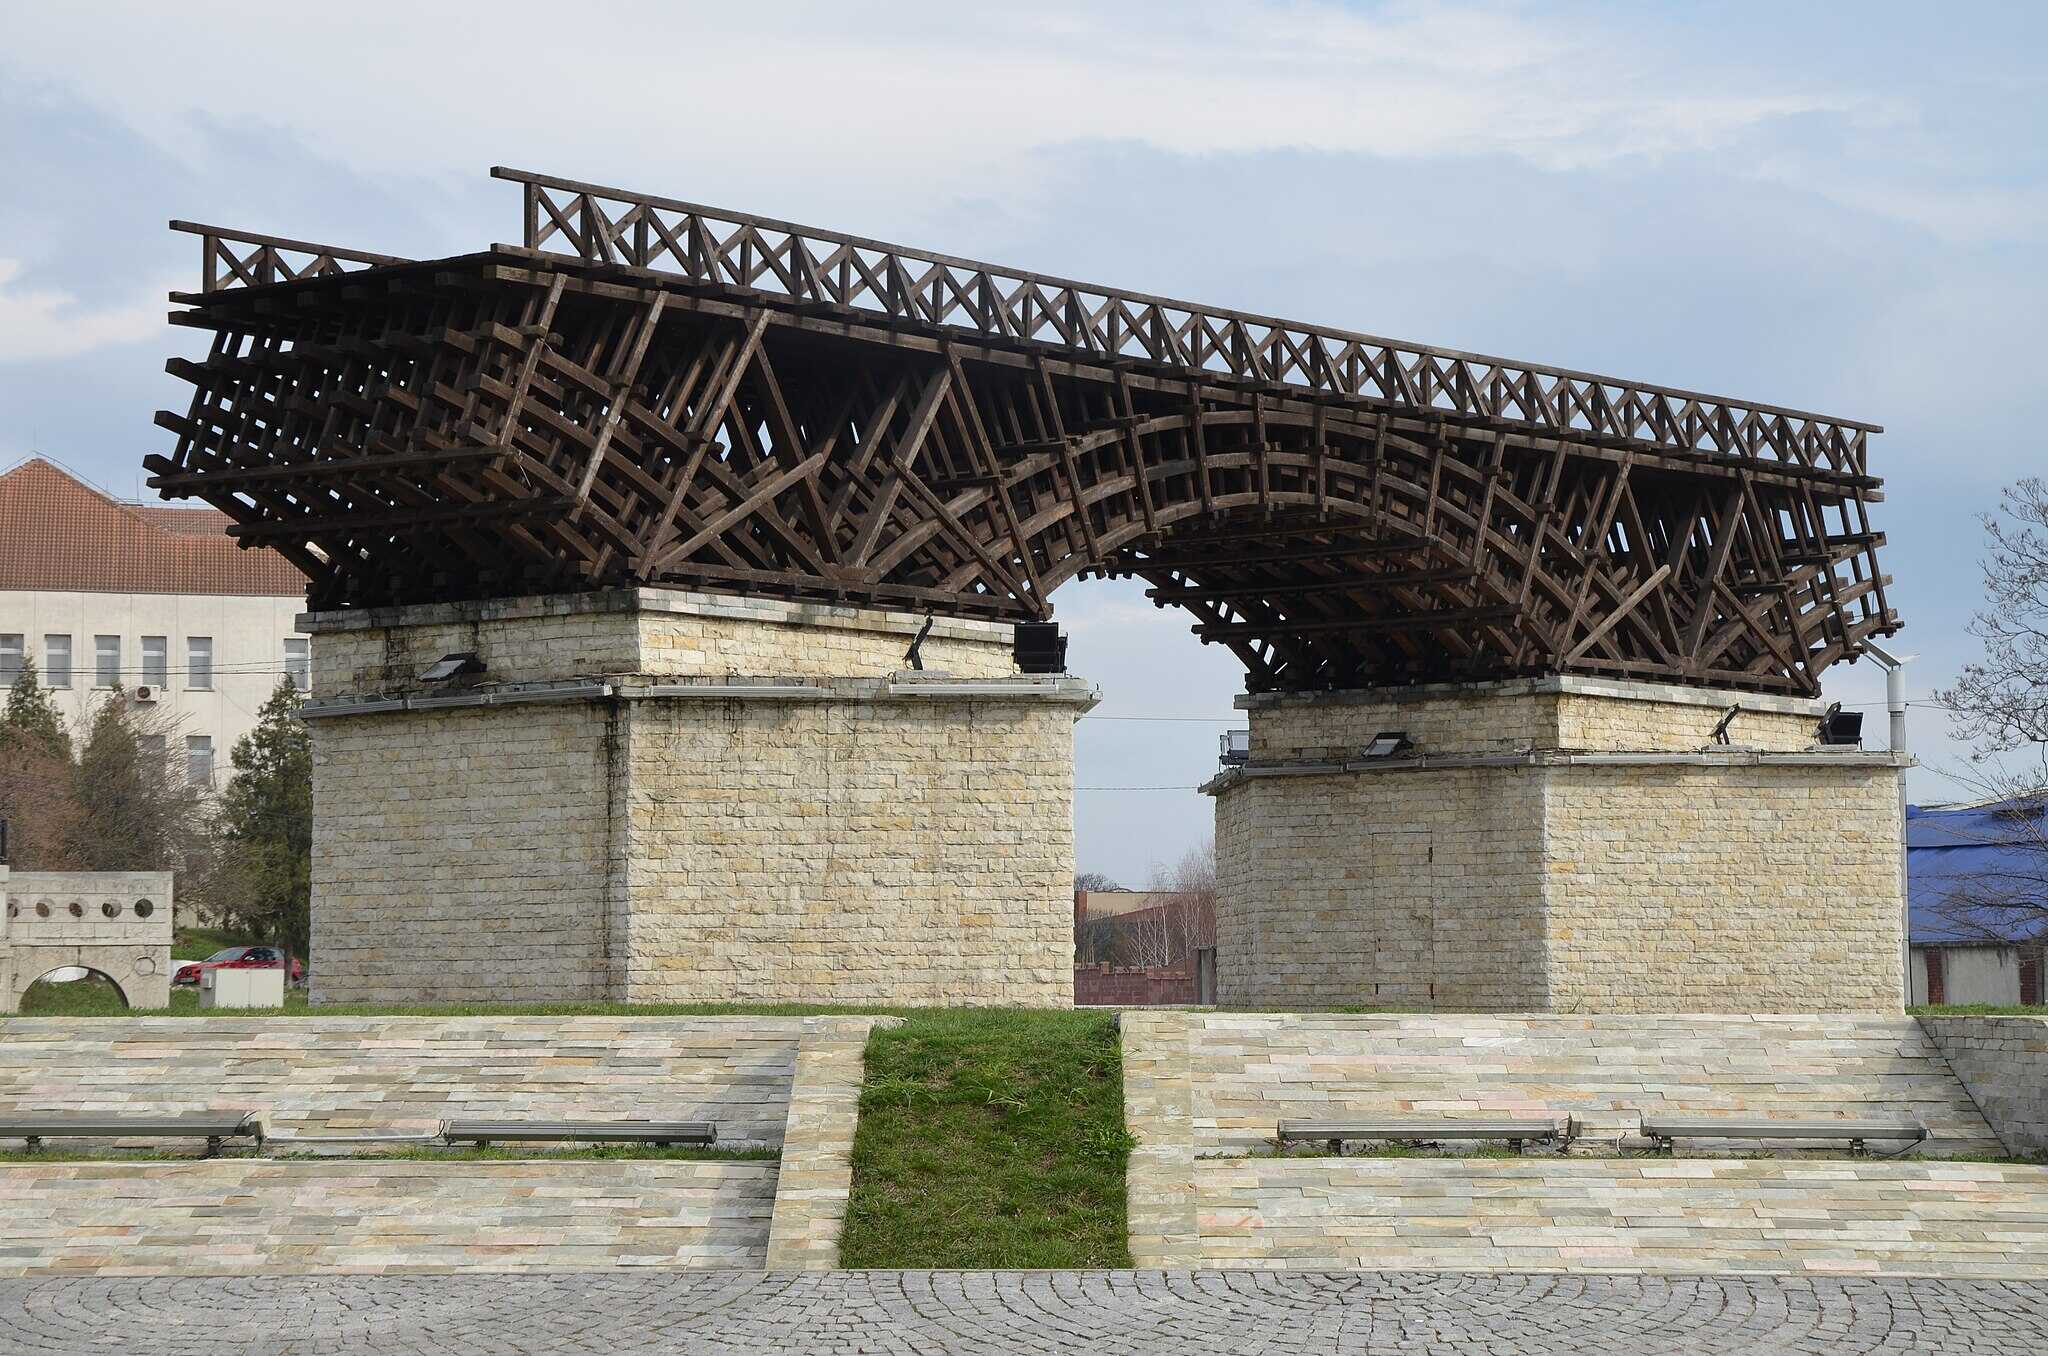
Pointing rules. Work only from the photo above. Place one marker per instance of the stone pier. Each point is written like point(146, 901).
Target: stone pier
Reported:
point(1561, 844)
point(657, 796)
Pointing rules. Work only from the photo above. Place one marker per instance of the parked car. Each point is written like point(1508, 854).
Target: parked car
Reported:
point(239, 958)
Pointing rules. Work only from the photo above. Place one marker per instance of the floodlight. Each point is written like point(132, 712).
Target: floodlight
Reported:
point(1840, 727)
point(1040, 648)
point(452, 665)
point(1387, 743)
point(1234, 747)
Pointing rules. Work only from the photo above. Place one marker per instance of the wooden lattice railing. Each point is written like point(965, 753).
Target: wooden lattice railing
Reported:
point(243, 259)
point(803, 264)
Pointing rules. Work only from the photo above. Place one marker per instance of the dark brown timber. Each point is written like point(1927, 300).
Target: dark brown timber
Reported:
point(648, 392)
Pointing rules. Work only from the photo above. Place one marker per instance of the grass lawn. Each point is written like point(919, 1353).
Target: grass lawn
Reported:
point(990, 1138)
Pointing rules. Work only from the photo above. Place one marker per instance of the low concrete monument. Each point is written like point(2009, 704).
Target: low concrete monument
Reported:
point(117, 923)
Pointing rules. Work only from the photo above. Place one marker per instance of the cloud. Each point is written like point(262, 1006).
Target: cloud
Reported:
point(845, 98)
point(48, 323)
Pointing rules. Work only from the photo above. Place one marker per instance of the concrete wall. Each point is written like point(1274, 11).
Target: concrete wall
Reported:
point(115, 922)
point(248, 654)
point(1560, 844)
point(2004, 1063)
point(872, 837)
point(1984, 973)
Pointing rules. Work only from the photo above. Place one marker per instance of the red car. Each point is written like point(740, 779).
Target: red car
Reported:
point(239, 958)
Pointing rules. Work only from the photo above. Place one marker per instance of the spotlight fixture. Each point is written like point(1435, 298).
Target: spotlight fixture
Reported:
point(1387, 743)
point(1839, 727)
point(1234, 748)
point(1040, 648)
point(452, 666)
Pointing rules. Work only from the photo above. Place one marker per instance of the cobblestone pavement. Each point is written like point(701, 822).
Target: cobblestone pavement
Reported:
point(1176, 1313)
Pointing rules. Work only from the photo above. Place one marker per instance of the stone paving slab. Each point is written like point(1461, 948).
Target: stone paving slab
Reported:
point(1901, 1217)
point(1173, 1313)
point(262, 1215)
point(341, 1075)
point(816, 1175)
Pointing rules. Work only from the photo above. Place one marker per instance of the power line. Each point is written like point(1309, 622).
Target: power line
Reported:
point(1137, 788)
point(1199, 720)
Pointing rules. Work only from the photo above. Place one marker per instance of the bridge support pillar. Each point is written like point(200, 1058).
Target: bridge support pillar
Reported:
point(1560, 844)
point(656, 796)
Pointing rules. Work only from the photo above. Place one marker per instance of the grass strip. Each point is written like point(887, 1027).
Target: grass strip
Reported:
point(990, 1138)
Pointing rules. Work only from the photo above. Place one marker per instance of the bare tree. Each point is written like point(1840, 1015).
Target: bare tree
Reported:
point(1183, 921)
point(2000, 705)
point(36, 803)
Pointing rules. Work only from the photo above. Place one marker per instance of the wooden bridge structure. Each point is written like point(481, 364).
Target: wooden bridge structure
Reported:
point(647, 391)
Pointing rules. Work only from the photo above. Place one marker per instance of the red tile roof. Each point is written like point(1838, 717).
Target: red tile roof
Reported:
point(58, 533)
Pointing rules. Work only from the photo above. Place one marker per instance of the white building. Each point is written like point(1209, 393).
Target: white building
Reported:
point(155, 599)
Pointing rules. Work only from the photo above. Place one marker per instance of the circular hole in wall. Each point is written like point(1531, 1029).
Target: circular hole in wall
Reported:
point(145, 965)
point(110, 908)
point(13, 909)
point(143, 908)
point(77, 909)
point(42, 908)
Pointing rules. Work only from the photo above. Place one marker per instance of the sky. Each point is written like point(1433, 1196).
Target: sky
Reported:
point(1832, 207)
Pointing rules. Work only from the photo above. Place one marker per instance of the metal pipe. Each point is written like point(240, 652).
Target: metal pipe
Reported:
point(1895, 704)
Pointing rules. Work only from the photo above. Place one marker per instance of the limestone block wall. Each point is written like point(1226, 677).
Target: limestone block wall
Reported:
point(1549, 1214)
point(1522, 716)
point(2004, 1063)
point(1205, 1091)
point(115, 922)
point(263, 1216)
point(1247, 1072)
point(347, 1075)
point(650, 632)
point(839, 829)
point(1722, 889)
point(463, 855)
point(1417, 891)
point(1556, 844)
point(906, 851)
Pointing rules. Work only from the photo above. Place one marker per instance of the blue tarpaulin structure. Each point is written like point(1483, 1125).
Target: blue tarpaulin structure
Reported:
point(1977, 873)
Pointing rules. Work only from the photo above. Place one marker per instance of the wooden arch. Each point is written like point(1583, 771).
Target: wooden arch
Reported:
point(522, 421)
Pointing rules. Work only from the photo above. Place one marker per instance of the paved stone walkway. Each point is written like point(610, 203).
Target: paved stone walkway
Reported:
point(1174, 1313)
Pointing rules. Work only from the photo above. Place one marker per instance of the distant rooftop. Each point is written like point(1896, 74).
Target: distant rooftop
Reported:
point(60, 534)
point(1979, 872)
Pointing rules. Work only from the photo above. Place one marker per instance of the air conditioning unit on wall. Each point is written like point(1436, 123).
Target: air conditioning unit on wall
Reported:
point(145, 693)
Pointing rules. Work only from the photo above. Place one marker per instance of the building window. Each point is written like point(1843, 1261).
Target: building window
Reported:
point(199, 760)
point(156, 661)
point(298, 662)
point(10, 659)
point(106, 661)
point(56, 661)
point(199, 663)
point(153, 749)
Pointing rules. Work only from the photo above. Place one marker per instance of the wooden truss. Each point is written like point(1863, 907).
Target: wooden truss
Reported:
point(718, 402)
